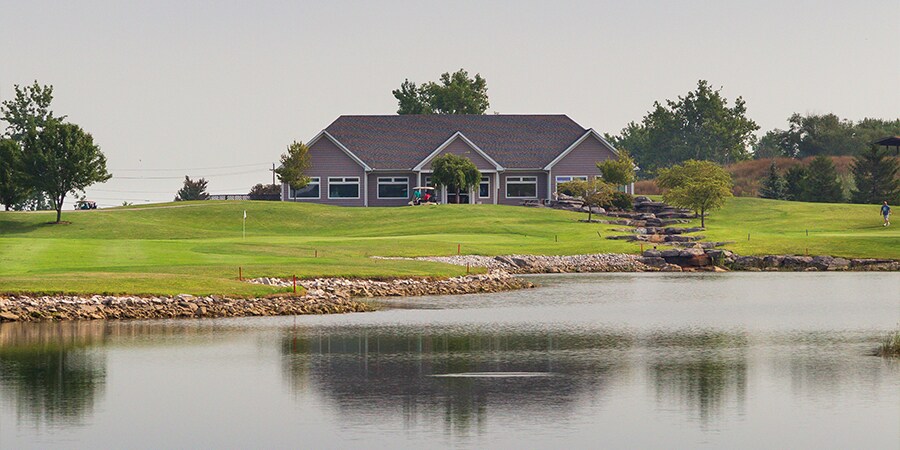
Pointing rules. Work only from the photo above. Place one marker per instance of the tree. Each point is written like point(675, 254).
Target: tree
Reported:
point(773, 185)
point(13, 188)
point(594, 193)
point(822, 183)
point(455, 171)
point(618, 171)
point(294, 164)
point(876, 177)
point(824, 134)
point(454, 93)
point(795, 183)
point(29, 111)
point(698, 126)
point(62, 158)
point(701, 186)
point(192, 190)
point(411, 99)
point(264, 191)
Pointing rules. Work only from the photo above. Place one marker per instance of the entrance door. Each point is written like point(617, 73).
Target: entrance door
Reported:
point(451, 195)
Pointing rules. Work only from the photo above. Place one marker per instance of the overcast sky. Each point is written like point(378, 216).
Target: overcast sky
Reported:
point(218, 89)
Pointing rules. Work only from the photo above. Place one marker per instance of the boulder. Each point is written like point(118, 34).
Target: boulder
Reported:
point(654, 261)
point(747, 262)
point(653, 253)
point(671, 268)
point(773, 261)
point(796, 262)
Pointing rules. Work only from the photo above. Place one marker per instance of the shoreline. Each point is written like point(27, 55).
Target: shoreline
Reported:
point(323, 296)
point(339, 295)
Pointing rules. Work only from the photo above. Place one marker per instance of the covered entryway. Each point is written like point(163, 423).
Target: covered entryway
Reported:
point(464, 196)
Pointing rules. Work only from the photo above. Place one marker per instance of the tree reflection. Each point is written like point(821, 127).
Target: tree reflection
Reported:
point(49, 372)
point(373, 371)
point(702, 371)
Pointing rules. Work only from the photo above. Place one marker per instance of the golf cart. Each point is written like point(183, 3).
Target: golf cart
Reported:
point(85, 205)
point(423, 195)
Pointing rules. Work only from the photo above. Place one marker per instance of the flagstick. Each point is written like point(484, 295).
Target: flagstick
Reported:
point(244, 226)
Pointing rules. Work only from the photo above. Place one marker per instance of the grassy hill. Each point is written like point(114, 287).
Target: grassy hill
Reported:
point(197, 247)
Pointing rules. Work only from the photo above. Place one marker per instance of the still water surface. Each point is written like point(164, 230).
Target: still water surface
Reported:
point(749, 360)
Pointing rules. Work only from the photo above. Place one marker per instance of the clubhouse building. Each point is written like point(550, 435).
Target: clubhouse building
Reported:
point(378, 160)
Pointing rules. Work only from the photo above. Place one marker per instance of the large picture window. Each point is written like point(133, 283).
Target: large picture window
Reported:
point(393, 187)
point(343, 187)
point(311, 190)
point(521, 187)
point(484, 188)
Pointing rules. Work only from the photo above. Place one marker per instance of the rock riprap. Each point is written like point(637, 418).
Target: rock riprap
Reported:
point(37, 308)
point(495, 281)
point(521, 264)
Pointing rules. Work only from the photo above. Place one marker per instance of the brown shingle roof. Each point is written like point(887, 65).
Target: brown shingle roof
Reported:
point(402, 141)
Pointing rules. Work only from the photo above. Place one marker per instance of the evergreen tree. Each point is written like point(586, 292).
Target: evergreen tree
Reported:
point(773, 185)
point(795, 183)
point(192, 190)
point(822, 183)
point(876, 176)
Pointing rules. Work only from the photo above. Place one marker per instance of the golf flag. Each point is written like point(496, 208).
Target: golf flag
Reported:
point(245, 214)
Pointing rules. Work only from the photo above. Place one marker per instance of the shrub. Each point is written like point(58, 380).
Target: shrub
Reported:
point(621, 200)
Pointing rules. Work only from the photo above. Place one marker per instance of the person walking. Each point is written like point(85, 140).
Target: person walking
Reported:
point(886, 212)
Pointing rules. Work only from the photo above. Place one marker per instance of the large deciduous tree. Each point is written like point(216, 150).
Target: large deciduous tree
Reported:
point(455, 171)
point(701, 186)
point(454, 93)
point(699, 126)
point(192, 190)
point(294, 164)
point(29, 111)
point(62, 158)
point(876, 177)
point(13, 188)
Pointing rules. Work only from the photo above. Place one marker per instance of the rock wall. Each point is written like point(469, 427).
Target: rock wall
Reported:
point(26, 308)
point(323, 296)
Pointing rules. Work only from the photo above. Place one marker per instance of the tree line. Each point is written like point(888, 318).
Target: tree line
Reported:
point(703, 125)
point(44, 157)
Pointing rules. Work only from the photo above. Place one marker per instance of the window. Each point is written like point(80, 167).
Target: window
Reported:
point(346, 187)
point(311, 190)
point(484, 188)
point(428, 182)
point(566, 179)
point(389, 187)
point(521, 187)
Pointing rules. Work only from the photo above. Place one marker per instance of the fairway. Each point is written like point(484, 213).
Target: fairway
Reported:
point(198, 248)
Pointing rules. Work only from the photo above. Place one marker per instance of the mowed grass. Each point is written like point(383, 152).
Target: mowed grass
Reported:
point(198, 248)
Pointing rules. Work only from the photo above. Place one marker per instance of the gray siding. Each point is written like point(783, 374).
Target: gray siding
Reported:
point(373, 188)
point(541, 186)
point(327, 160)
point(461, 148)
point(582, 160)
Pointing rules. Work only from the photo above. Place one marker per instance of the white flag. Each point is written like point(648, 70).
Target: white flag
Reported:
point(245, 214)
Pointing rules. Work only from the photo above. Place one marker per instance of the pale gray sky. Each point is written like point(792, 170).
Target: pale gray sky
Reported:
point(209, 84)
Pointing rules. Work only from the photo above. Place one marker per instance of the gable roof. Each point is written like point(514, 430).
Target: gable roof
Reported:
point(458, 135)
point(403, 141)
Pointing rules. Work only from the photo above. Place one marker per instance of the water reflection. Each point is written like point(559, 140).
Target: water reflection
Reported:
point(49, 372)
point(372, 371)
point(700, 372)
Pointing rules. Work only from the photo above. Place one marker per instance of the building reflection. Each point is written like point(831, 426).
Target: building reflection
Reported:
point(373, 372)
point(49, 372)
point(700, 373)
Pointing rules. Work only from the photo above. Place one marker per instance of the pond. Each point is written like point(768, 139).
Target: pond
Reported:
point(737, 360)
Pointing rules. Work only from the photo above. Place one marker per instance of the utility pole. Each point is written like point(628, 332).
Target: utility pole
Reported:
point(273, 174)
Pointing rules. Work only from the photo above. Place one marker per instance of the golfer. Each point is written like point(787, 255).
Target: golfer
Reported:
point(886, 212)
